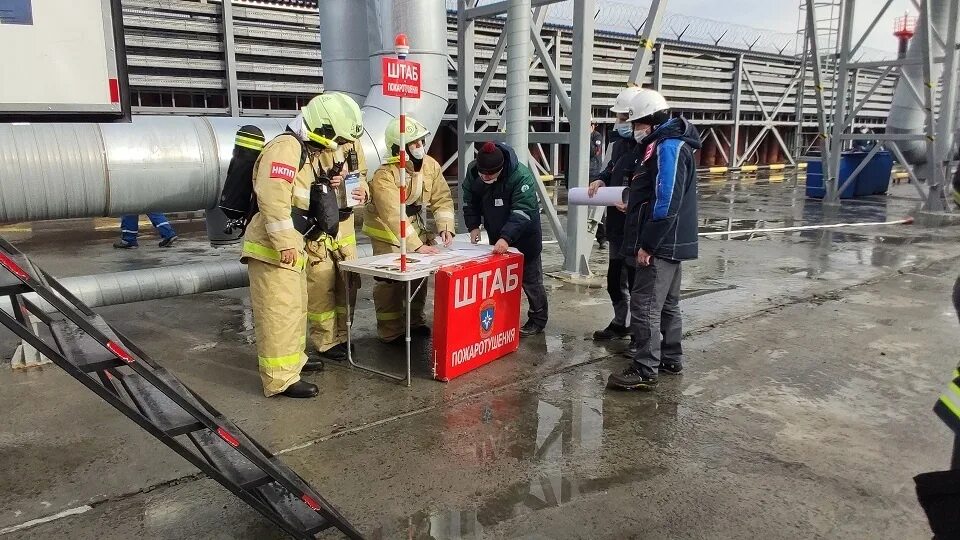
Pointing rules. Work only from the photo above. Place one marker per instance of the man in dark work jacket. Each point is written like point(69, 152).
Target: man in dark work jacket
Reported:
point(500, 193)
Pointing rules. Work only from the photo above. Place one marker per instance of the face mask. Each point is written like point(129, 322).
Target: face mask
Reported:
point(641, 134)
point(624, 130)
point(489, 179)
point(417, 152)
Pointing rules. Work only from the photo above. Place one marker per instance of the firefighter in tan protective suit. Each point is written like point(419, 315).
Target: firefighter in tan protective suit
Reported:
point(326, 290)
point(274, 246)
point(426, 190)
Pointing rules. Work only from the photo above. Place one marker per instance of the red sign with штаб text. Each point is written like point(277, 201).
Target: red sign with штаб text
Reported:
point(401, 78)
point(476, 313)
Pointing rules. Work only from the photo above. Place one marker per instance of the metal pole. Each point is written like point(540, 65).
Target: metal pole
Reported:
point(801, 95)
point(409, 301)
point(658, 67)
point(577, 252)
point(651, 31)
point(929, 98)
point(517, 111)
point(947, 120)
point(466, 93)
point(852, 105)
point(734, 158)
point(818, 87)
point(230, 59)
point(846, 33)
point(402, 49)
point(555, 108)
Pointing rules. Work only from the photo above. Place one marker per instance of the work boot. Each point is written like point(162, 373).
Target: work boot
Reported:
point(313, 364)
point(632, 379)
point(301, 389)
point(337, 353)
point(167, 242)
point(631, 349)
point(612, 331)
point(123, 244)
point(670, 367)
point(530, 328)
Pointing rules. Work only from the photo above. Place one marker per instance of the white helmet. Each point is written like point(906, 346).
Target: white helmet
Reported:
point(645, 103)
point(622, 105)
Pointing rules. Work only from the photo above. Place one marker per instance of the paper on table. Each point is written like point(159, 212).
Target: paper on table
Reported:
point(605, 196)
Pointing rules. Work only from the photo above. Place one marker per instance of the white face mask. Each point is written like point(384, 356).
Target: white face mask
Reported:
point(417, 152)
point(640, 134)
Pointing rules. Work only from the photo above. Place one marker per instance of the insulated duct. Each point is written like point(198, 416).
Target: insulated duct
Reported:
point(177, 163)
point(155, 163)
point(344, 50)
point(148, 284)
point(155, 283)
point(425, 24)
point(907, 115)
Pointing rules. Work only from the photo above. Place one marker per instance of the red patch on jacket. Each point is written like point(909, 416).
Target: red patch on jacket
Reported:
point(282, 171)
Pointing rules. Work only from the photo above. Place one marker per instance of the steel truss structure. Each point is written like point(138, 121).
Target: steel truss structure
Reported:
point(937, 98)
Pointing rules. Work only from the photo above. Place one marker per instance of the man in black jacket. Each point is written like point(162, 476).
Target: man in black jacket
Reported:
point(619, 170)
point(660, 232)
point(501, 193)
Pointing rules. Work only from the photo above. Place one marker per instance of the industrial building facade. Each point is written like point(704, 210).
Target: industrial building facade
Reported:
point(179, 59)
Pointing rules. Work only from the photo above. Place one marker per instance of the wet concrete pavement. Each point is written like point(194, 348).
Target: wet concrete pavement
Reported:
point(814, 360)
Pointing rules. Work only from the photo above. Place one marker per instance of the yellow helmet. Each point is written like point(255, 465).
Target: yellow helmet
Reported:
point(332, 116)
point(414, 131)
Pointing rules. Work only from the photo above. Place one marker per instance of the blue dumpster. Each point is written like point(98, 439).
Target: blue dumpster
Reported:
point(874, 179)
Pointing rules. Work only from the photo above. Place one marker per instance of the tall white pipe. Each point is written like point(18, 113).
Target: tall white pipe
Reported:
point(517, 109)
point(425, 24)
point(177, 163)
point(907, 115)
point(344, 47)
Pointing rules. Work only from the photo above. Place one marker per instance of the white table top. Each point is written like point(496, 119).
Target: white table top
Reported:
point(418, 266)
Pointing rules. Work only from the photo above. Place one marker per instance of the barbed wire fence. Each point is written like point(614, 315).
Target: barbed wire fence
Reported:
point(628, 18)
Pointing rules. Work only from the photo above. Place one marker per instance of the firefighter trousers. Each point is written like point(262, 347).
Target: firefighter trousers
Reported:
point(278, 297)
point(327, 295)
point(389, 298)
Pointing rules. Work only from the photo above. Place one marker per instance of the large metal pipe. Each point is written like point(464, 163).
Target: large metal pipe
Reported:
point(517, 109)
point(177, 163)
point(155, 283)
point(154, 163)
point(148, 284)
point(907, 115)
point(346, 56)
point(425, 24)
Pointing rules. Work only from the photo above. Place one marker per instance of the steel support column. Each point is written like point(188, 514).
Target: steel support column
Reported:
point(651, 30)
point(946, 123)
point(840, 103)
point(230, 59)
point(466, 92)
point(577, 253)
point(517, 112)
point(734, 158)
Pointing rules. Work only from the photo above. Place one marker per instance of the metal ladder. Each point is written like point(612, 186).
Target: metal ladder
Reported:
point(84, 345)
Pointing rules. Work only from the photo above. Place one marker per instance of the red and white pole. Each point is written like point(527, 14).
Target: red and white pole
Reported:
point(403, 49)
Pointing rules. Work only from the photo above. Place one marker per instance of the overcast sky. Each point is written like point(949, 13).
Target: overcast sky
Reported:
point(782, 15)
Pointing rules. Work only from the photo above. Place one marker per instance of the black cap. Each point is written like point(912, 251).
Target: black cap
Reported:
point(490, 159)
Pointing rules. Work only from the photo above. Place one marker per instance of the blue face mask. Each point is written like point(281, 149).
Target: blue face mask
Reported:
point(624, 130)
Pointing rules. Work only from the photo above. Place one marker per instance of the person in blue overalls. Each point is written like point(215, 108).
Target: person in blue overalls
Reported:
point(129, 230)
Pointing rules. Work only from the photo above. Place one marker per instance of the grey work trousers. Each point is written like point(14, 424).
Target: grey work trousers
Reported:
point(533, 288)
point(655, 312)
point(619, 282)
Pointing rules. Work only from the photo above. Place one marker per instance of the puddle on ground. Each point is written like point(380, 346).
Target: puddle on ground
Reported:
point(560, 440)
